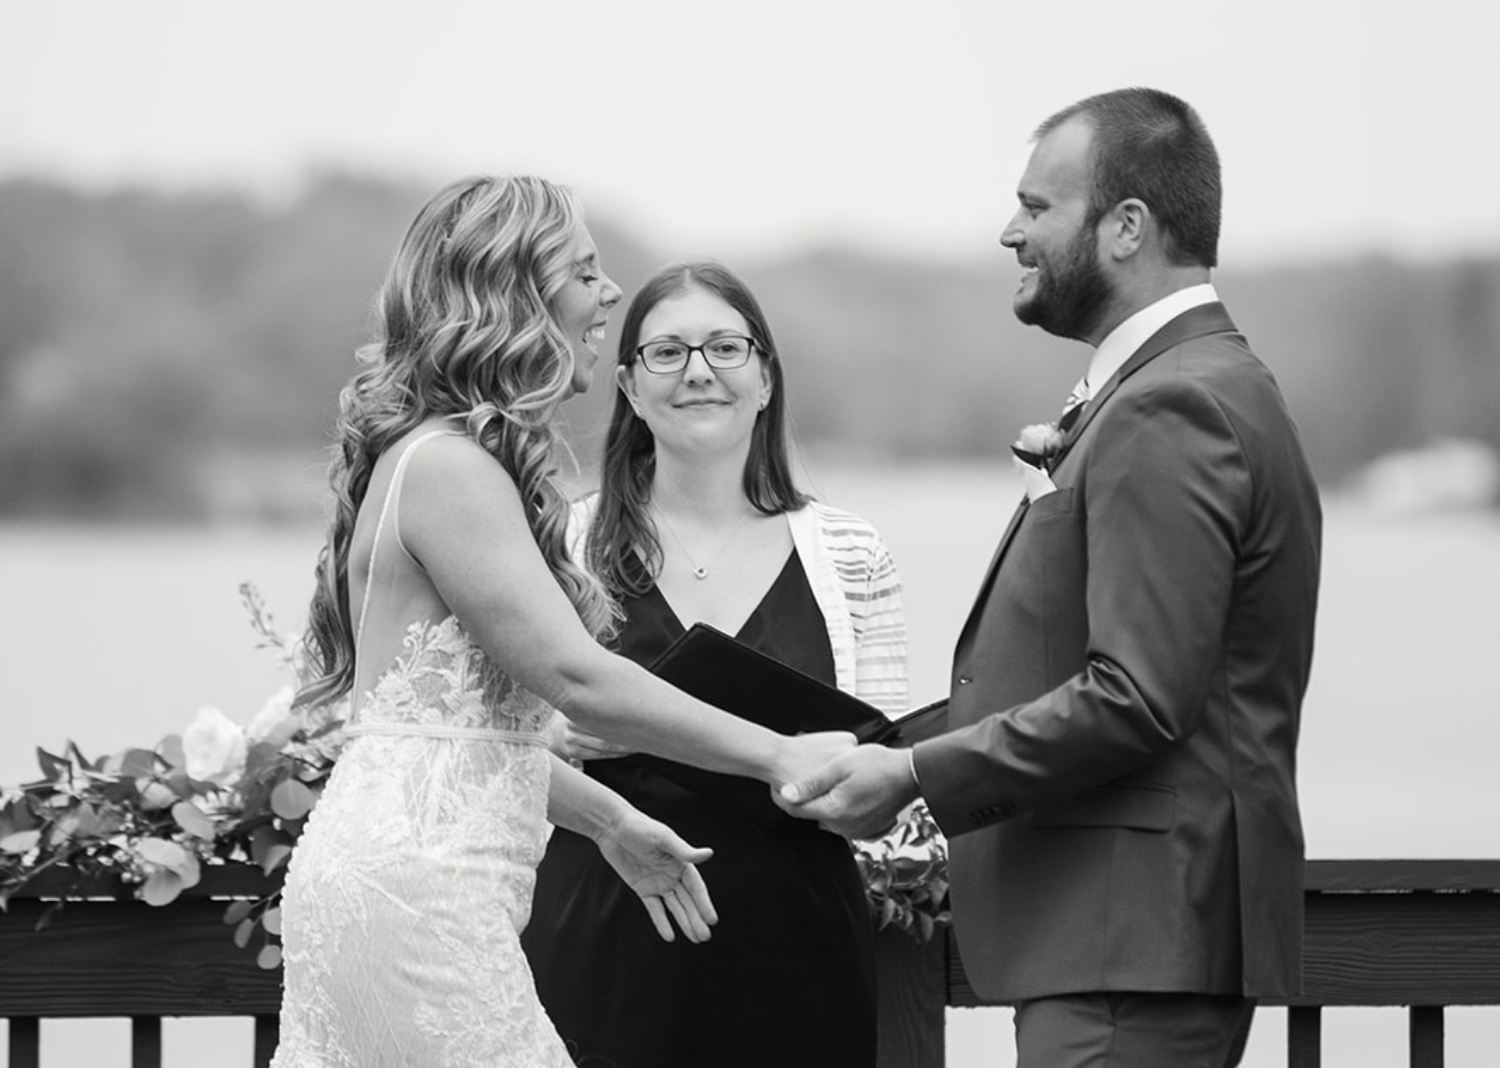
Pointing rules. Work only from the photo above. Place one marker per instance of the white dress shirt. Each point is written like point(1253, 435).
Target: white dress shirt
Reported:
point(1130, 335)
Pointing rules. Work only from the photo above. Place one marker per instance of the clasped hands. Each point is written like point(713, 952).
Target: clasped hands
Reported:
point(853, 790)
point(858, 793)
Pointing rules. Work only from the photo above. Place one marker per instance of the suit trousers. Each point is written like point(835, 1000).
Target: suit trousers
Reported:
point(1131, 1030)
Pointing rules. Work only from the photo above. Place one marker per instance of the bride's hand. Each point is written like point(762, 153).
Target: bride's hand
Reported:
point(803, 754)
point(662, 869)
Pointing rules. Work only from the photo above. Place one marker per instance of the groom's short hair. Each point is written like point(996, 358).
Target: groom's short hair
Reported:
point(1153, 146)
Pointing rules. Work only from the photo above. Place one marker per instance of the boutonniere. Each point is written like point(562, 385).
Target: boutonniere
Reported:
point(1034, 453)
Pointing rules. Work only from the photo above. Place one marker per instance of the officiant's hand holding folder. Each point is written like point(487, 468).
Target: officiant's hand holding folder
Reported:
point(720, 671)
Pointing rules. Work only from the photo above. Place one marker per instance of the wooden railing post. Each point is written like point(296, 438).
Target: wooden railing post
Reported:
point(25, 1042)
point(1304, 1036)
point(1426, 1028)
point(145, 1042)
point(267, 1034)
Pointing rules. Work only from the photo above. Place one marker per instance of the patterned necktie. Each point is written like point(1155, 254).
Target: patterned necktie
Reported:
point(1074, 406)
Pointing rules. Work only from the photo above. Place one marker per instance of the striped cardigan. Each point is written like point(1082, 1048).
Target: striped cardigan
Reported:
point(857, 588)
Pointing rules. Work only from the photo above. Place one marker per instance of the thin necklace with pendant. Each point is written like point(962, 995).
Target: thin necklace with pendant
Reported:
point(700, 571)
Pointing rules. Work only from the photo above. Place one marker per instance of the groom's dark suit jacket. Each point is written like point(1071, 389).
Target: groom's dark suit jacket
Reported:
point(1118, 780)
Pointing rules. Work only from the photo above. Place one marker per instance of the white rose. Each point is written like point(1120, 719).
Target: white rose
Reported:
point(274, 723)
point(1040, 439)
point(213, 747)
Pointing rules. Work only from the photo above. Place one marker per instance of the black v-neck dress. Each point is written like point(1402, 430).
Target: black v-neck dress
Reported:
point(788, 977)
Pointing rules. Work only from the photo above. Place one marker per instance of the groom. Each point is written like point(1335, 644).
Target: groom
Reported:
point(1118, 777)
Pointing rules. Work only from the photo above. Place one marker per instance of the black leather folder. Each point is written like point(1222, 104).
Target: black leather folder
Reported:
point(720, 671)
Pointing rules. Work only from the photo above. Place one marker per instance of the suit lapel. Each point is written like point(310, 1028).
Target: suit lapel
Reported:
point(989, 575)
point(1194, 323)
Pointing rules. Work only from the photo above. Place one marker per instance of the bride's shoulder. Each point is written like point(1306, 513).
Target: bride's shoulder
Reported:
point(445, 468)
point(436, 447)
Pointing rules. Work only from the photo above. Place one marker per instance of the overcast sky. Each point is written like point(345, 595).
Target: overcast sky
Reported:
point(751, 128)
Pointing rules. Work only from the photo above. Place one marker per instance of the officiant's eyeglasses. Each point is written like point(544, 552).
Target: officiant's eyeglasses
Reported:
point(722, 353)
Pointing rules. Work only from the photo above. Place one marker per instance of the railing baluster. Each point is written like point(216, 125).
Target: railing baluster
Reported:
point(25, 1042)
point(267, 1034)
point(1304, 1036)
point(1426, 1036)
point(145, 1042)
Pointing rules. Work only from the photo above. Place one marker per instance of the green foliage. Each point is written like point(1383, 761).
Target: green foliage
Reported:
point(150, 817)
point(906, 874)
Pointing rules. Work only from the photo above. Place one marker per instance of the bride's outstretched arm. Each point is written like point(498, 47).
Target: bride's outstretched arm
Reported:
point(652, 859)
point(463, 519)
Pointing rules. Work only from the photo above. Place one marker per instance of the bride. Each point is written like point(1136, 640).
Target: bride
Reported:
point(448, 607)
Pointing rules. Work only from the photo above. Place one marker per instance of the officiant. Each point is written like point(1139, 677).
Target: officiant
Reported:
point(699, 519)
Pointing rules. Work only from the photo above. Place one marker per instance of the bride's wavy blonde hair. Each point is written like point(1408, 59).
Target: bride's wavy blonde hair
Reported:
point(464, 329)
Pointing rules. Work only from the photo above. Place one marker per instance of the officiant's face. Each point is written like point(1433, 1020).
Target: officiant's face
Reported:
point(1064, 290)
point(699, 409)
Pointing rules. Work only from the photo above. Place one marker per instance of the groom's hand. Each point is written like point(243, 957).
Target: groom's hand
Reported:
point(857, 795)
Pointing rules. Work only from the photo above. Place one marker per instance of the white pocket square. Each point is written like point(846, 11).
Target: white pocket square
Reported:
point(1035, 480)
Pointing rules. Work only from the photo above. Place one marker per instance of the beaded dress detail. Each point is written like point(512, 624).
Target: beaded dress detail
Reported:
point(411, 883)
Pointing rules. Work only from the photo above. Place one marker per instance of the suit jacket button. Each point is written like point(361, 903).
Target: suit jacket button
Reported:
point(964, 680)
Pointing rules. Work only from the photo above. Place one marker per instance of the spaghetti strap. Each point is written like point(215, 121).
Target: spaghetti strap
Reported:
point(392, 493)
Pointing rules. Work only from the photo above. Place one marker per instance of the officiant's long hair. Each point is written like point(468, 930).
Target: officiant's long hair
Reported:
point(464, 329)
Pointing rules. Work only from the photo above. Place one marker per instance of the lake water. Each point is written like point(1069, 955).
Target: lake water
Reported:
point(115, 637)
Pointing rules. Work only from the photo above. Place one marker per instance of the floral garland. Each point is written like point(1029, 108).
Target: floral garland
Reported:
point(153, 818)
point(221, 794)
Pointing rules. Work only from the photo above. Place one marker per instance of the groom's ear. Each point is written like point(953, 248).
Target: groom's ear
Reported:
point(1125, 228)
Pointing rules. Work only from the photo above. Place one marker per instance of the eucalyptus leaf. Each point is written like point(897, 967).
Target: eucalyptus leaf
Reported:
point(271, 921)
point(170, 750)
point(192, 819)
point(275, 857)
point(17, 816)
point(269, 958)
point(138, 763)
point(242, 933)
point(89, 824)
point(237, 911)
point(53, 767)
point(262, 839)
point(119, 791)
point(291, 800)
point(162, 853)
point(20, 842)
point(161, 888)
point(261, 755)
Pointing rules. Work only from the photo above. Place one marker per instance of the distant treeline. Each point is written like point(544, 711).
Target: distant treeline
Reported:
point(176, 357)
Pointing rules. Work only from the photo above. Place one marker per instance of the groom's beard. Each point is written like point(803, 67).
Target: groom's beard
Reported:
point(1071, 297)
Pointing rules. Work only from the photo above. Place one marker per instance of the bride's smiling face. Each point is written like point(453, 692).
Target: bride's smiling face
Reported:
point(582, 306)
point(698, 408)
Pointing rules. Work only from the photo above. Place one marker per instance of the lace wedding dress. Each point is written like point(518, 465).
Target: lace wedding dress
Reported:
point(412, 881)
